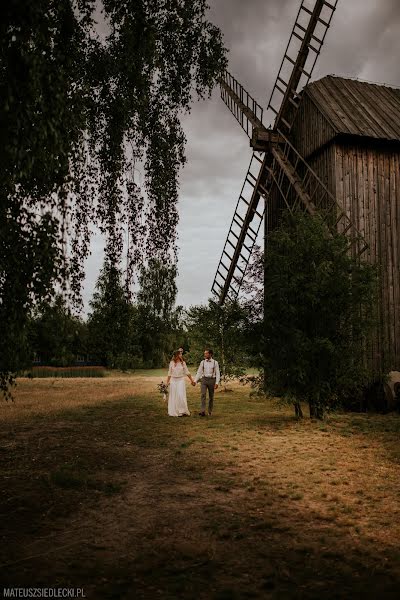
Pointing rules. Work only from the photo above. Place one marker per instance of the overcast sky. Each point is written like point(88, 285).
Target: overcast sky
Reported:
point(363, 41)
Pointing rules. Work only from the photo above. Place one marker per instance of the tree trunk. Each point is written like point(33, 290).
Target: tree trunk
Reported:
point(297, 410)
point(311, 407)
point(316, 409)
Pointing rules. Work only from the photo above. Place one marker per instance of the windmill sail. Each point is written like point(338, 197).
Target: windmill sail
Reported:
point(283, 173)
point(300, 187)
point(242, 235)
point(301, 54)
point(242, 105)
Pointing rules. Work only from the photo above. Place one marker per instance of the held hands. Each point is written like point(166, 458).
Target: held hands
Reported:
point(216, 386)
point(193, 382)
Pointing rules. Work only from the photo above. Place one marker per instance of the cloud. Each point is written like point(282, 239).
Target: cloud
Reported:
point(359, 43)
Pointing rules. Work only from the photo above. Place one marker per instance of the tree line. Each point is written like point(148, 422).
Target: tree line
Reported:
point(126, 331)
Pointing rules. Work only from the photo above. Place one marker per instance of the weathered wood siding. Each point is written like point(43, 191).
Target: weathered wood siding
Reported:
point(364, 175)
point(311, 131)
point(273, 210)
point(340, 130)
point(368, 187)
point(323, 163)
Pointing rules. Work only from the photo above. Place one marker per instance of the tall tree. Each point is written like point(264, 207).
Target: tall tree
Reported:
point(57, 336)
point(78, 109)
point(222, 328)
point(112, 322)
point(317, 316)
point(160, 322)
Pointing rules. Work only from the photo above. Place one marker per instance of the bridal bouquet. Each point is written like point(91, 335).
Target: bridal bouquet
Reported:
point(163, 389)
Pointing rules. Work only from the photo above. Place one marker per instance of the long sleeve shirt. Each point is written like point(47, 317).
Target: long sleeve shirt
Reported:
point(208, 368)
point(177, 370)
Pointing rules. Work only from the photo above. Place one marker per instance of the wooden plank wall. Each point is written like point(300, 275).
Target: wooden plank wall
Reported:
point(364, 175)
point(368, 186)
point(311, 130)
point(323, 163)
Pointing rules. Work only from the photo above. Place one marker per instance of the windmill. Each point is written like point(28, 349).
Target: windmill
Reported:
point(278, 177)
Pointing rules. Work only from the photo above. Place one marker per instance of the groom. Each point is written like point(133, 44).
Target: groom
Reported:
point(208, 373)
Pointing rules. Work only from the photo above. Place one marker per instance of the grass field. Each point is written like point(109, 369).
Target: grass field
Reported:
point(102, 490)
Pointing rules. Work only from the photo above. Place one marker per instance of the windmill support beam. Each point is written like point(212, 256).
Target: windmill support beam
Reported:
point(263, 139)
point(294, 179)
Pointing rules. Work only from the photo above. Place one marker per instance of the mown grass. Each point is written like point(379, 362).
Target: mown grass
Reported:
point(102, 490)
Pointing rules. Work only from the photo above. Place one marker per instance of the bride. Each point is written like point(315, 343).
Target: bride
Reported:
point(177, 403)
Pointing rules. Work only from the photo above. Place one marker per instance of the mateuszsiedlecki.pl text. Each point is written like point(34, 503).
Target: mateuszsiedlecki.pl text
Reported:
point(17, 592)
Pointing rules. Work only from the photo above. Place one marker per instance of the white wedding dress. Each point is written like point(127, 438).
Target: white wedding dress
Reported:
point(177, 403)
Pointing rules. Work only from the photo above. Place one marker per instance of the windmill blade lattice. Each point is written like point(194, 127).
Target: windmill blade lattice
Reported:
point(243, 106)
point(299, 186)
point(242, 236)
point(284, 178)
point(306, 40)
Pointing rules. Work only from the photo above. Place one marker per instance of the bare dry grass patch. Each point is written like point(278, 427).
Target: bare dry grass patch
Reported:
point(45, 396)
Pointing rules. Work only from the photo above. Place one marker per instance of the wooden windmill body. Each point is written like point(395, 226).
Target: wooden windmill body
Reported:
point(334, 149)
point(349, 133)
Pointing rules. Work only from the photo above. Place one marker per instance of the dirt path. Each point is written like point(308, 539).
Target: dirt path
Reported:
point(116, 498)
